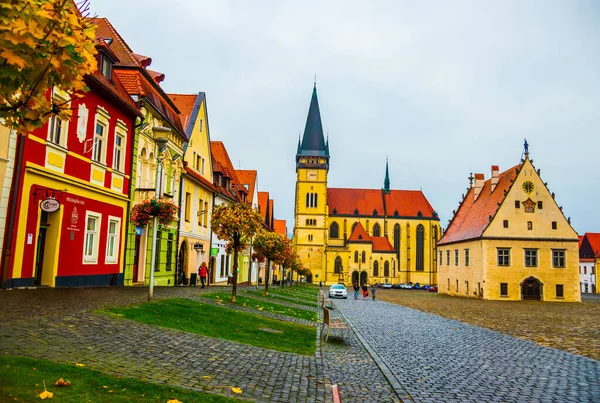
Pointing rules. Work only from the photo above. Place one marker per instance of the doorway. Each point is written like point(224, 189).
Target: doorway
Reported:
point(136, 258)
point(39, 260)
point(354, 277)
point(531, 289)
point(363, 277)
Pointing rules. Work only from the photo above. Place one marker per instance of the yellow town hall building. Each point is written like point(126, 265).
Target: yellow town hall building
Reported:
point(346, 235)
point(509, 240)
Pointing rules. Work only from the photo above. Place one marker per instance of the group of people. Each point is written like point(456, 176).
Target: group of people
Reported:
point(365, 290)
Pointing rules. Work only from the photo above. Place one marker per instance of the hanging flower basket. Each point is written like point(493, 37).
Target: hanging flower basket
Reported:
point(165, 212)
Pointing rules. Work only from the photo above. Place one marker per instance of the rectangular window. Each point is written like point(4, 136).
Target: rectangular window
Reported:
point(157, 251)
point(447, 258)
point(98, 149)
point(200, 213)
point(554, 225)
point(227, 264)
point(456, 285)
point(112, 239)
point(558, 258)
point(188, 206)
point(92, 231)
point(560, 291)
point(455, 257)
point(540, 205)
point(198, 159)
point(503, 257)
point(441, 257)
point(105, 66)
point(202, 165)
point(505, 223)
point(119, 152)
point(585, 270)
point(529, 225)
point(448, 284)
point(222, 271)
point(467, 257)
point(466, 287)
point(55, 129)
point(517, 204)
point(206, 214)
point(531, 257)
point(169, 251)
point(504, 289)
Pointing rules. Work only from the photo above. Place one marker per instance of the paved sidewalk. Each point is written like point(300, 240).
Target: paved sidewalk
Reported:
point(432, 359)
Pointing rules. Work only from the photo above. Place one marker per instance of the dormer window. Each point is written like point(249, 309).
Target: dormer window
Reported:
point(105, 65)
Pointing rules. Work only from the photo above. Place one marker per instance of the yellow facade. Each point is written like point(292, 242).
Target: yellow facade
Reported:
point(528, 251)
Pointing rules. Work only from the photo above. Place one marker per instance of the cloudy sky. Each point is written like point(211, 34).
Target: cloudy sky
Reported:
point(442, 88)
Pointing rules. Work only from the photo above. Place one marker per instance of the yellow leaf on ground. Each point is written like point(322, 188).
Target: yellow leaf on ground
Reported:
point(79, 365)
point(206, 377)
point(62, 382)
point(46, 395)
point(236, 390)
point(173, 401)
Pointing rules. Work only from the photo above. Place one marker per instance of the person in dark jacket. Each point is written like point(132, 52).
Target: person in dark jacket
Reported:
point(356, 289)
point(365, 290)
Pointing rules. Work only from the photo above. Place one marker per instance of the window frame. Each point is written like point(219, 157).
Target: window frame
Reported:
point(93, 258)
point(456, 257)
point(102, 119)
point(467, 256)
point(118, 164)
point(557, 259)
point(505, 286)
point(560, 290)
point(61, 98)
point(114, 258)
point(527, 259)
point(507, 257)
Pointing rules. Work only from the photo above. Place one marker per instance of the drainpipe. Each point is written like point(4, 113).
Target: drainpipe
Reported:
point(212, 269)
point(12, 213)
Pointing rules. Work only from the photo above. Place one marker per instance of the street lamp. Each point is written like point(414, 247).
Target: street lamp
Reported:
point(161, 143)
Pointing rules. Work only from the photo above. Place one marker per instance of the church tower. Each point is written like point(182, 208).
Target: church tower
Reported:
point(310, 209)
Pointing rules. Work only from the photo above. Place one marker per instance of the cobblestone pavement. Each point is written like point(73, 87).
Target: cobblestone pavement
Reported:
point(57, 324)
point(428, 358)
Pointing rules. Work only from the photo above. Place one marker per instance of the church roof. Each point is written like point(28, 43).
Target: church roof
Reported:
point(380, 243)
point(375, 202)
point(313, 141)
point(359, 234)
point(473, 216)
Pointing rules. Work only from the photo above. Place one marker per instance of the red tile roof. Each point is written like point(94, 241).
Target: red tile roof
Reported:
point(248, 177)
point(359, 234)
point(185, 103)
point(126, 56)
point(580, 237)
point(115, 89)
point(473, 216)
point(222, 165)
point(381, 244)
point(263, 204)
point(368, 202)
point(590, 247)
point(156, 76)
point(280, 226)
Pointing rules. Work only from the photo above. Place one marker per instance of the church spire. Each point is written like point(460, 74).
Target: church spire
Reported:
point(313, 142)
point(386, 181)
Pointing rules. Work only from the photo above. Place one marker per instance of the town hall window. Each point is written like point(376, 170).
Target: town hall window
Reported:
point(455, 257)
point(531, 257)
point(376, 230)
point(558, 258)
point(447, 258)
point(311, 200)
point(467, 257)
point(334, 230)
point(420, 247)
point(503, 257)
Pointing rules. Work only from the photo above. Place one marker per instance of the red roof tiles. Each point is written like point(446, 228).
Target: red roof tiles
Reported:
point(222, 165)
point(359, 234)
point(247, 178)
point(263, 204)
point(199, 178)
point(473, 216)
point(185, 103)
point(280, 227)
point(380, 243)
point(371, 202)
point(590, 247)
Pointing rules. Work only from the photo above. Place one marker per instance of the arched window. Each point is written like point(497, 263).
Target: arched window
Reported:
point(420, 247)
point(308, 200)
point(356, 257)
point(354, 226)
point(376, 230)
point(435, 233)
point(375, 268)
point(386, 269)
point(364, 257)
point(338, 265)
point(334, 230)
point(315, 201)
point(397, 239)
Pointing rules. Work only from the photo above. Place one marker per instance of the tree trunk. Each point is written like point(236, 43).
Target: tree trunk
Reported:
point(267, 275)
point(282, 274)
point(236, 243)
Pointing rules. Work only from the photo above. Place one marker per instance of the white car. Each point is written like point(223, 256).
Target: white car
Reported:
point(338, 291)
point(387, 285)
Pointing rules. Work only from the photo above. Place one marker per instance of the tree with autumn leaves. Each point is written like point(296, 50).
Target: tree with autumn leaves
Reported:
point(235, 223)
point(274, 247)
point(43, 44)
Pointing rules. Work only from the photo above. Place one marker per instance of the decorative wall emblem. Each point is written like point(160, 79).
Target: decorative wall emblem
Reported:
point(74, 216)
point(49, 205)
point(529, 206)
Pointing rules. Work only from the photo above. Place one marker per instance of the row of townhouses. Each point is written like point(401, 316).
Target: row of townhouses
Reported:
point(68, 188)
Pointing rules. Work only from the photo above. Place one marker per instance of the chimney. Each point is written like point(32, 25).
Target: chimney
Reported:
point(479, 180)
point(494, 181)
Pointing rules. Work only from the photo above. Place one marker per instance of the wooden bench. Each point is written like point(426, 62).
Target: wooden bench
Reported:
point(333, 323)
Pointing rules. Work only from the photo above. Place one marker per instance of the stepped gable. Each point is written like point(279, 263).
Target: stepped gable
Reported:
point(248, 177)
point(472, 217)
point(359, 234)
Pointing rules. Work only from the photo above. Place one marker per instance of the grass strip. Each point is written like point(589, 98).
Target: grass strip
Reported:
point(246, 300)
point(224, 323)
point(287, 298)
point(22, 379)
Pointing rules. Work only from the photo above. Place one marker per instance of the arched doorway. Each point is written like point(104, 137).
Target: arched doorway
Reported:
point(180, 273)
point(354, 277)
point(531, 289)
point(363, 277)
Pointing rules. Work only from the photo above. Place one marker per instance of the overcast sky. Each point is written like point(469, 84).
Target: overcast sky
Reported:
point(443, 88)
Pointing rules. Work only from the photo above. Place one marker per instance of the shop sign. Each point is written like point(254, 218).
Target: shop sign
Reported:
point(49, 205)
point(214, 251)
point(139, 231)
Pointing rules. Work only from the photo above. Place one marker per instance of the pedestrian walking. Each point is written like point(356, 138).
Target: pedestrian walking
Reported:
point(202, 272)
point(373, 292)
point(321, 284)
point(365, 290)
point(356, 289)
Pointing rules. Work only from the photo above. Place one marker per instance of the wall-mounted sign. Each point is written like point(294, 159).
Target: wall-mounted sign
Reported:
point(214, 251)
point(49, 205)
point(139, 231)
